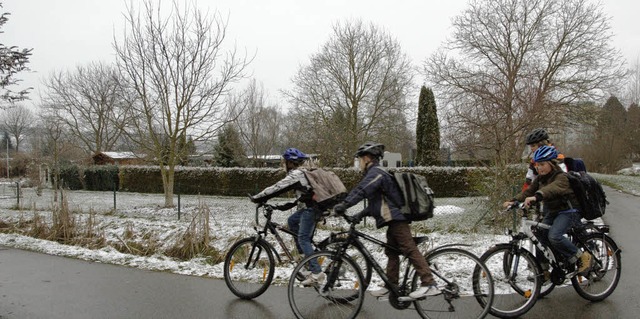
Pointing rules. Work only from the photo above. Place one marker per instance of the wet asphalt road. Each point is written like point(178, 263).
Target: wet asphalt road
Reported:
point(34, 285)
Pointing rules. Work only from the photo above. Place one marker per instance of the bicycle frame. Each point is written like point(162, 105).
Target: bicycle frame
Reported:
point(354, 239)
point(271, 227)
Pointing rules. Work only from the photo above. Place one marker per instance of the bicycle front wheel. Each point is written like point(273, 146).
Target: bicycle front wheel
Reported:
point(338, 293)
point(517, 278)
point(357, 255)
point(602, 279)
point(249, 267)
point(463, 280)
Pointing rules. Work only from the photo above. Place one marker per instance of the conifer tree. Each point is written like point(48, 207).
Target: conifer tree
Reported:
point(229, 151)
point(427, 130)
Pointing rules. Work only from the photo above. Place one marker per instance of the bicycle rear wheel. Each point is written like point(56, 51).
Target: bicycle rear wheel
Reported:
point(517, 279)
point(249, 267)
point(603, 278)
point(339, 294)
point(463, 280)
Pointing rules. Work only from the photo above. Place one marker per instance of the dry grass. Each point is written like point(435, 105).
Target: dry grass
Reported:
point(195, 240)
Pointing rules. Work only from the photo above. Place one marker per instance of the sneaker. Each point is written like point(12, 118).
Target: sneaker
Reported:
point(380, 292)
point(584, 263)
point(424, 291)
point(303, 274)
point(313, 279)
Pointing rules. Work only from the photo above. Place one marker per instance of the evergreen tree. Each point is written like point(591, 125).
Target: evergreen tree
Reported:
point(229, 151)
point(427, 130)
point(12, 61)
point(633, 131)
point(611, 148)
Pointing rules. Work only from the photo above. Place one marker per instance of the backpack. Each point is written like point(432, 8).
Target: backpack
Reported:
point(418, 196)
point(327, 188)
point(590, 195)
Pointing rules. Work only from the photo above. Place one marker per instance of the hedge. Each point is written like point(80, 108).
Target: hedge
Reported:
point(445, 181)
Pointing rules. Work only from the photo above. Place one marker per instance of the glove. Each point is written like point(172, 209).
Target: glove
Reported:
point(340, 208)
point(356, 219)
point(255, 200)
point(286, 206)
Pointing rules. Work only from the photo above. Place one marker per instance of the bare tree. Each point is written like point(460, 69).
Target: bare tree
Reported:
point(181, 74)
point(513, 65)
point(351, 90)
point(16, 121)
point(90, 101)
point(258, 122)
point(633, 86)
point(54, 141)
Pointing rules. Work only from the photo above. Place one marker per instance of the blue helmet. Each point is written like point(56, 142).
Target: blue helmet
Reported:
point(294, 155)
point(545, 153)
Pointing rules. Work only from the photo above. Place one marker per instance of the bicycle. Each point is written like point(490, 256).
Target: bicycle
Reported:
point(519, 277)
point(249, 265)
point(459, 274)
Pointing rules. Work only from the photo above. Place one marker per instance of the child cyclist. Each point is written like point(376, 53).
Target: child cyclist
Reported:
point(538, 137)
point(373, 185)
point(552, 187)
point(303, 221)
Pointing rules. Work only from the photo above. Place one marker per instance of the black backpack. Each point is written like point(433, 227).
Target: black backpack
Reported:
point(591, 197)
point(418, 196)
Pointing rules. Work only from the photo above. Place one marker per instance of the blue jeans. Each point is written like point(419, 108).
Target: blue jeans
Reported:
point(303, 223)
point(560, 223)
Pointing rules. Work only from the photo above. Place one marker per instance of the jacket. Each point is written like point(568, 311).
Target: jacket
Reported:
point(381, 192)
point(554, 190)
point(295, 180)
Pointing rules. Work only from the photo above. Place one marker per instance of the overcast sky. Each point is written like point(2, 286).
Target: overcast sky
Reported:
point(282, 33)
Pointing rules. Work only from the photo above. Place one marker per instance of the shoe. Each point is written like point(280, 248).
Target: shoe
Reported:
point(313, 279)
point(424, 291)
point(380, 292)
point(303, 274)
point(584, 263)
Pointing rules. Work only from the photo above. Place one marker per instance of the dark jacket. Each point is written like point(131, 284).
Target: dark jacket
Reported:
point(375, 183)
point(554, 190)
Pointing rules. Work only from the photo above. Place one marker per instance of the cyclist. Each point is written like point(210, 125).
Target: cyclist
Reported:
point(376, 183)
point(303, 221)
point(538, 137)
point(552, 187)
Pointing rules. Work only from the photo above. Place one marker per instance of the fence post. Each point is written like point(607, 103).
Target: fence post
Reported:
point(114, 196)
point(18, 194)
point(178, 191)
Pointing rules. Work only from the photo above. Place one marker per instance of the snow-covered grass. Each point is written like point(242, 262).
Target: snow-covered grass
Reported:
point(627, 183)
point(139, 217)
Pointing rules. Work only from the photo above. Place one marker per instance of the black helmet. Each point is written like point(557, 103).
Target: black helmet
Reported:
point(537, 135)
point(374, 149)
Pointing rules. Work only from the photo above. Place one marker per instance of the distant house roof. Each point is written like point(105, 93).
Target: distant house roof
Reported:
point(117, 158)
point(120, 155)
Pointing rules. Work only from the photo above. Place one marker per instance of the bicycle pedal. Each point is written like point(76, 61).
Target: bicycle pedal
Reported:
point(384, 298)
point(405, 298)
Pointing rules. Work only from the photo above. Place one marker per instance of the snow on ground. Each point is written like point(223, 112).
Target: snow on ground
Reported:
point(231, 218)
